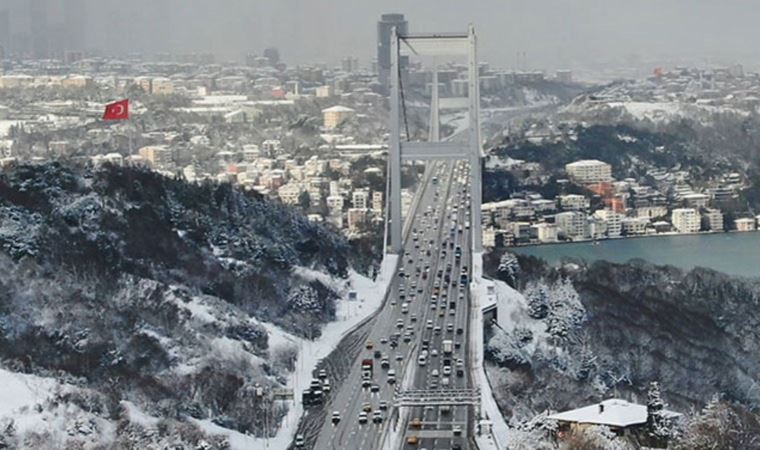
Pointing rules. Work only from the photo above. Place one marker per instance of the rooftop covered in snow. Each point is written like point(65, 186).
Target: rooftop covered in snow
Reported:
point(613, 412)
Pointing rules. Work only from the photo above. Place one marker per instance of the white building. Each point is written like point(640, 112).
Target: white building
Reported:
point(745, 224)
point(634, 225)
point(686, 220)
point(572, 224)
point(546, 232)
point(289, 193)
point(589, 171)
point(360, 199)
point(713, 219)
point(613, 220)
point(573, 202)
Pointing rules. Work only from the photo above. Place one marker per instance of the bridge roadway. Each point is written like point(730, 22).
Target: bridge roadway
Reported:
point(428, 247)
point(437, 424)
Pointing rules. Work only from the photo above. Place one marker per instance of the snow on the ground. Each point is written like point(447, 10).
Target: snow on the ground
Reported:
point(459, 121)
point(664, 111)
point(20, 393)
point(29, 402)
point(370, 295)
point(136, 415)
point(490, 410)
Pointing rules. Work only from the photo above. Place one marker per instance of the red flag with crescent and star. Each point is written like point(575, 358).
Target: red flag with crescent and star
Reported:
point(117, 110)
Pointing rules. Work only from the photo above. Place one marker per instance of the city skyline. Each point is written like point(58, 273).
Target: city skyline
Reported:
point(584, 33)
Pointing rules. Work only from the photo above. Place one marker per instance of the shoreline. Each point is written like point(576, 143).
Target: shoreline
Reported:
point(625, 238)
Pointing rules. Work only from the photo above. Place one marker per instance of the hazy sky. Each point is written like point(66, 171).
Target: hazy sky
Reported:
point(554, 33)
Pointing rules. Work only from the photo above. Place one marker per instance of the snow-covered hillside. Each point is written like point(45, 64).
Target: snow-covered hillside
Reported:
point(131, 303)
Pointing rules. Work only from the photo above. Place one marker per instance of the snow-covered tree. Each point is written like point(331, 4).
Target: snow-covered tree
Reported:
point(566, 312)
point(659, 427)
point(506, 351)
point(596, 438)
point(509, 268)
point(538, 301)
point(304, 298)
point(720, 426)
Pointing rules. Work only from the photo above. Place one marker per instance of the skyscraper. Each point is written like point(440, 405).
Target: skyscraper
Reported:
point(384, 30)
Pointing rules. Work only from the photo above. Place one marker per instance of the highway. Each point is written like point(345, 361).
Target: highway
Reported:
point(415, 315)
point(437, 427)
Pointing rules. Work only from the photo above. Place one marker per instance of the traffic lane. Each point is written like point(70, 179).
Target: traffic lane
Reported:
point(420, 412)
point(353, 405)
point(458, 414)
point(369, 431)
point(435, 338)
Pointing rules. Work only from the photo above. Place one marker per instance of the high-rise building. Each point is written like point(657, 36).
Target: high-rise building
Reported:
point(589, 171)
point(686, 220)
point(384, 29)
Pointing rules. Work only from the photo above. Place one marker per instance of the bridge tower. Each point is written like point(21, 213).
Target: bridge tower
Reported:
point(435, 44)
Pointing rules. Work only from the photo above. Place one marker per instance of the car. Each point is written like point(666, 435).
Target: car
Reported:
point(407, 337)
point(429, 325)
point(383, 405)
point(434, 373)
point(366, 383)
point(399, 357)
point(445, 409)
point(300, 441)
point(412, 440)
point(415, 423)
point(434, 353)
point(385, 363)
point(413, 318)
point(362, 417)
point(400, 323)
point(450, 327)
point(374, 388)
point(326, 385)
point(378, 354)
point(322, 374)
point(433, 384)
point(366, 407)
point(452, 311)
point(457, 430)
point(447, 370)
point(377, 417)
point(369, 345)
point(335, 417)
point(422, 360)
point(445, 381)
point(437, 330)
point(460, 330)
point(441, 312)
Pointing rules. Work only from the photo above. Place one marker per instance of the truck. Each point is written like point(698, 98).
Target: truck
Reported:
point(448, 347)
point(367, 366)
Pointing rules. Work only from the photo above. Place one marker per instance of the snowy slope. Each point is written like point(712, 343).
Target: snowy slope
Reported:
point(370, 295)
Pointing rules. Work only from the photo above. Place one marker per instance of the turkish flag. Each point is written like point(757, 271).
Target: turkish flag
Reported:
point(117, 110)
